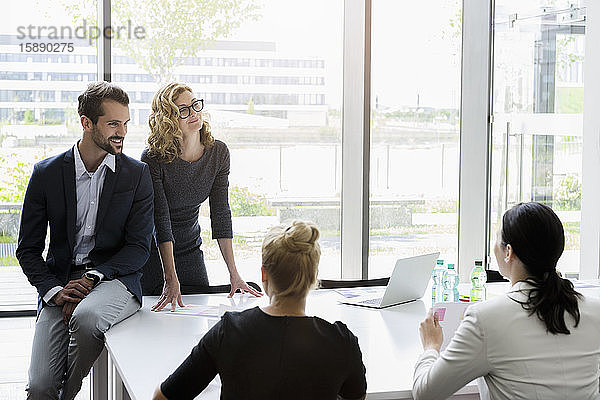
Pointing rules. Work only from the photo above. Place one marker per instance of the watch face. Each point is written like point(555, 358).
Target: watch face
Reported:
point(91, 277)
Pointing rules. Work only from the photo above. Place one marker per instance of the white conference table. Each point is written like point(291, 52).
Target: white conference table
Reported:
point(145, 348)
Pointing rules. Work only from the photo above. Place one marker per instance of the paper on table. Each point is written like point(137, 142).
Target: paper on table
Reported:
point(450, 316)
point(200, 310)
point(361, 291)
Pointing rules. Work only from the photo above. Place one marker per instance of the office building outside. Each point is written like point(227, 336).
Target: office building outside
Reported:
point(242, 83)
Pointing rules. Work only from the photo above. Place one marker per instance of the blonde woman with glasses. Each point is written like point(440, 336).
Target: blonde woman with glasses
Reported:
point(187, 166)
point(276, 351)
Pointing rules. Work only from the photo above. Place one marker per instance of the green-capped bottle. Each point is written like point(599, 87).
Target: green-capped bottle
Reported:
point(478, 280)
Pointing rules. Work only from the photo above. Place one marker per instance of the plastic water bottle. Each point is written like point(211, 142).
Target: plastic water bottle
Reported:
point(478, 280)
point(437, 274)
point(450, 283)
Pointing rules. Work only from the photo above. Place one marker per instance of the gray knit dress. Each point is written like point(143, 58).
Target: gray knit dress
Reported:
point(180, 187)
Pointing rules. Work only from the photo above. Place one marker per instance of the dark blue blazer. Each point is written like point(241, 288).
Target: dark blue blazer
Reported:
point(123, 226)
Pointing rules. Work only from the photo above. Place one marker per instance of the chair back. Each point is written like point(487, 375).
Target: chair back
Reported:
point(494, 276)
point(338, 284)
point(196, 289)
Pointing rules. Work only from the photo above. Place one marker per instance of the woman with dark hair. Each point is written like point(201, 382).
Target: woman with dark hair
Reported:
point(541, 340)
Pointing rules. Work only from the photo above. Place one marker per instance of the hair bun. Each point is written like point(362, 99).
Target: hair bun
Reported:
point(300, 236)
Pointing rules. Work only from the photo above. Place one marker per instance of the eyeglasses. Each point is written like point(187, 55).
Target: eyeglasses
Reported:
point(184, 111)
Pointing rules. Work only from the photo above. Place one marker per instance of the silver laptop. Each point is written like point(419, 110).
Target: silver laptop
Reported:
point(408, 282)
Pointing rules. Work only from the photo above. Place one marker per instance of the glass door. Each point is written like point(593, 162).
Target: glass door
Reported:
point(538, 116)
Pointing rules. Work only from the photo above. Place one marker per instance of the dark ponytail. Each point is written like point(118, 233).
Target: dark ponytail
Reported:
point(536, 236)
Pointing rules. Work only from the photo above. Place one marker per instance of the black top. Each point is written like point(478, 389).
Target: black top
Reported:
point(259, 356)
point(180, 187)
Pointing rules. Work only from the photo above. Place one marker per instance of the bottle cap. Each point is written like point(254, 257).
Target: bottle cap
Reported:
point(450, 266)
point(440, 262)
point(478, 263)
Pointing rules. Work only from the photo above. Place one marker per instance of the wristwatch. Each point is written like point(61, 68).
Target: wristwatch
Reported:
point(92, 277)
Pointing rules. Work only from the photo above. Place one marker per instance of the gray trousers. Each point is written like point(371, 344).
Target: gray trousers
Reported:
point(63, 355)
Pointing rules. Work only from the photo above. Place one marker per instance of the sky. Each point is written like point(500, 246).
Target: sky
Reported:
point(411, 57)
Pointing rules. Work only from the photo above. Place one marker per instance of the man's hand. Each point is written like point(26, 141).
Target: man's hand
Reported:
point(73, 292)
point(67, 311)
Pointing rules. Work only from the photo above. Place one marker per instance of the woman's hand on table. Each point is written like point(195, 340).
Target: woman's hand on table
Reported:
point(431, 332)
point(170, 294)
point(238, 283)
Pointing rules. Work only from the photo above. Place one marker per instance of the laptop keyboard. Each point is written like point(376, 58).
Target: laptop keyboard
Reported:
point(372, 301)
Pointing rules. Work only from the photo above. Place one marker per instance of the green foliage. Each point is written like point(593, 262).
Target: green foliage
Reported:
point(174, 29)
point(569, 100)
point(14, 178)
point(8, 261)
point(568, 194)
point(566, 52)
point(571, 139)
point(328, 130)
point(572, 235)
point(333, 112)
point(7, 239)
point(246, 204)
point(435, 206)
point(14, 175)
point(422, 115)
point(250, 109)
point(28, 117)
point(452, 33)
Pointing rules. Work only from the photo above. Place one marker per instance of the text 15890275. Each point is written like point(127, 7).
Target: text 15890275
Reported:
point(46, 47)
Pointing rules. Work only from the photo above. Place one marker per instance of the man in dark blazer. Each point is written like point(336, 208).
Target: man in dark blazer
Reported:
point(98, 204)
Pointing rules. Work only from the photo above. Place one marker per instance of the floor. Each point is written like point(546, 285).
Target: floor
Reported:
point(16, 335)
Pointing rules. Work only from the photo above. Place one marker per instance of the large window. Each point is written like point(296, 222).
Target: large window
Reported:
point(415, 130)
point(46, 62)
point(538, 114)
point(271, 73)
point(271, 83)
point(43, 68)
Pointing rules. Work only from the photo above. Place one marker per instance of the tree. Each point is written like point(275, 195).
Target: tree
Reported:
point(174, 29)
point(452, 33)
point(250, 109)
point(28, 117)
point(569, 99)
point(568, 194)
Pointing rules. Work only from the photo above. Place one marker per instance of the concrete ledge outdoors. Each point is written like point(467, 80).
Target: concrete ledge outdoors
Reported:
point(16, 294)
point(383, 214)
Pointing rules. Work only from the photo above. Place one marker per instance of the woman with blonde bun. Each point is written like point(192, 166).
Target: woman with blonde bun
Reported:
point(276, 351)
point(187, 166)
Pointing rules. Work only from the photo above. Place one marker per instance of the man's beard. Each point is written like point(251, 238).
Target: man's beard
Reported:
point(103, 143)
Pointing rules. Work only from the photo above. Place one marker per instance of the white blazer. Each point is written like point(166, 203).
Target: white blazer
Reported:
point(518, 359)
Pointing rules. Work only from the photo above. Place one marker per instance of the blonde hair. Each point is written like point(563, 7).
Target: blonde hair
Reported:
point(290, 254)
point(165, 137)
